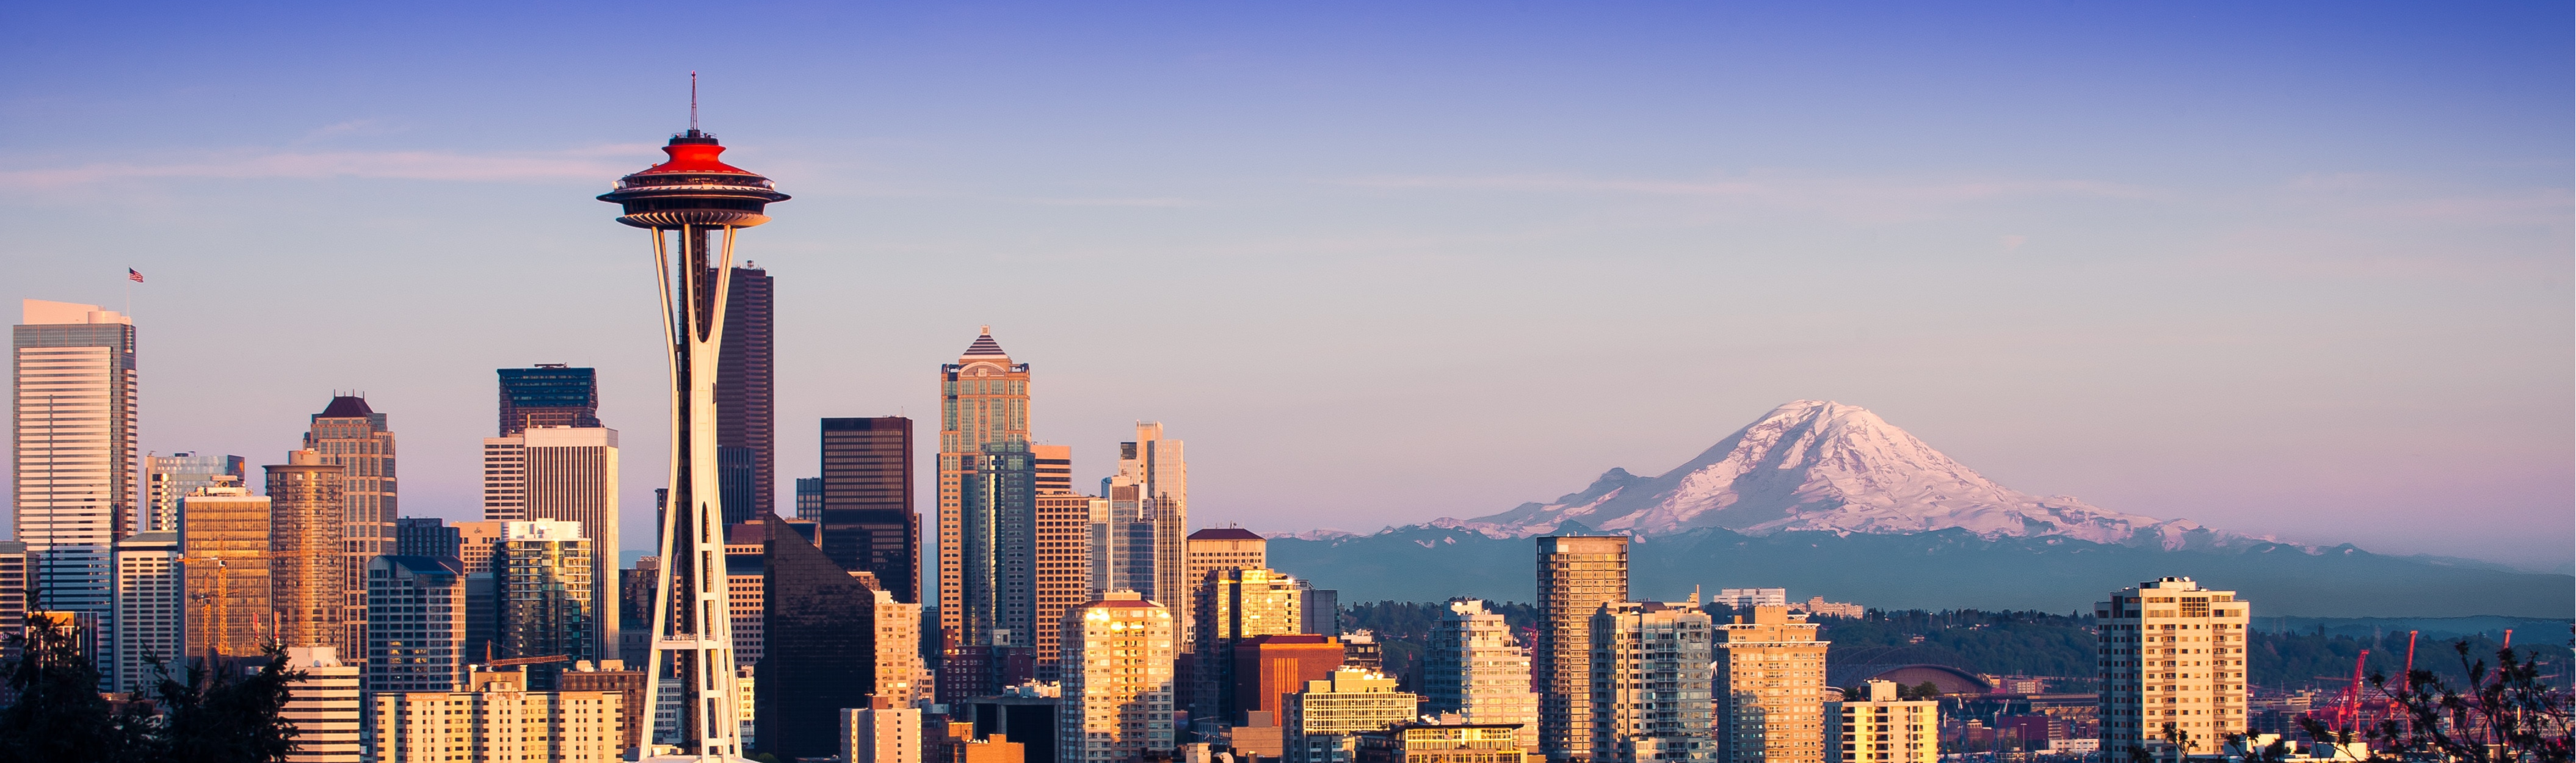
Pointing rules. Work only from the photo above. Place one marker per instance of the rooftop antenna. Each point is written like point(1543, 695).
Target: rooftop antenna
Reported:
point(693, 102)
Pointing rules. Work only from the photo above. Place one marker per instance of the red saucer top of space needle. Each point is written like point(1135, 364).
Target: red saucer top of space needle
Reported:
point(694, 151)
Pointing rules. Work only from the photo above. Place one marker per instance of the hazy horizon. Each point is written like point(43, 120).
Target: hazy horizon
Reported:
point(2298, 270)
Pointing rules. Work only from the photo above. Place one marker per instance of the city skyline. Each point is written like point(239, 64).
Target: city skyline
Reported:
point(2385, 345)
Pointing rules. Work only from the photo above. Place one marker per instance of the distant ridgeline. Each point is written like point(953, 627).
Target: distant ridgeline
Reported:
point(1936, 570)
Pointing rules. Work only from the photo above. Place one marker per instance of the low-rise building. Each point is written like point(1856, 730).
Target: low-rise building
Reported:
point(881, 733)
point(322, 706)
point(1442, 743)
point(1323, 722)
point(497, 719)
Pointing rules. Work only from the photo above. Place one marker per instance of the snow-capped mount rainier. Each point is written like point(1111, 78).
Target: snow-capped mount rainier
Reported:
point(1825, 466)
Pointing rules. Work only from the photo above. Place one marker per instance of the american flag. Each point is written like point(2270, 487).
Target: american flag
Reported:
point(131, 275)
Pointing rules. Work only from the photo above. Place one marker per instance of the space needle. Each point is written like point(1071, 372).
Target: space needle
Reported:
point(693, 204)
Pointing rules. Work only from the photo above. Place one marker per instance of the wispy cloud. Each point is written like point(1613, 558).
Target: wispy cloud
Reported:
point(588, 163)
point(1864, 197)
point(1119, 202)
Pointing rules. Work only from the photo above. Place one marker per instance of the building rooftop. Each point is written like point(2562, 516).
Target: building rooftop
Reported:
point(347, 407)
point(985, 347)
point(1224, 533)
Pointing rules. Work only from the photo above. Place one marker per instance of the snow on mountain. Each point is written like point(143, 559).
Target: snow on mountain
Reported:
point(1824, 466)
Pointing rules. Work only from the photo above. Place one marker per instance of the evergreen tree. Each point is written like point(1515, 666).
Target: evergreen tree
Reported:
point(214, 716)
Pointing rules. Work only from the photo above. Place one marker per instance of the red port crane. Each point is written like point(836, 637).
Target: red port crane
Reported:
point(2348, 716)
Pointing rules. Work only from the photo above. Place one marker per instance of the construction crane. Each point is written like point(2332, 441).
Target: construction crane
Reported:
point(2349, 715)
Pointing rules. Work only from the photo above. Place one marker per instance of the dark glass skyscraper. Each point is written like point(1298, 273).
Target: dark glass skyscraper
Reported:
point(427, 536)
point(868, 521)
point(746, 422)
point(548, 395)
point(819, 655)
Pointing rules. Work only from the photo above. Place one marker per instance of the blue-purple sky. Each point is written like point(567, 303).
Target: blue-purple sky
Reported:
point(2289, 268)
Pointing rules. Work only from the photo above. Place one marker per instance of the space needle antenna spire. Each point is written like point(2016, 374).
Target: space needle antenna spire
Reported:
point(692, 205)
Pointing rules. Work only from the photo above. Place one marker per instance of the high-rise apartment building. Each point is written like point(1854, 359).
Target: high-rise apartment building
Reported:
point(1234, 606)
point(899, 670)
point(746, 417)
point(226, 571)
point(984, 399)
point(1473, 667)
point(351, 435)
point(415, 624)
point(1117, 692)
point(1770, 685)
point(542, 576)
point(2174, 659)
point(548, 395)
point(151, 614)
point(865, 508)
point(498, 718)
point(72, 486)
point(166, 479)
point(307, 536)
point(821, 638)
point(1576, 575)
point(1443, 742)
point(1879, 728)
point(1323, 722)
point(428, 536)
point(560, 473)
point(1149, 512)
point(322, 706)
point(1650, 683)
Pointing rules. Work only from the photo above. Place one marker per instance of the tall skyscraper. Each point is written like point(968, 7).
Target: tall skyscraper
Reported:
point(1234, 606)
point(821, 635)
point(746, 421)
point(1770, 685)
point(1149, 506)
point(809, 499)
point(166, 479)
point(548, 395)
point(1473, 667)
point(1576, 575)
point(560, 473)
point(1651, 683)
point(1216, 549)
point(307, 536)
point(72, 488)
point(866, 511)
point(1118, 693)
point(997, 522)
point(984, 399)
point(1060, 543)
point(151, 616)
point(415, 624)
point(226, 571)
point(353, 436)
point(542, 574)
point(2175, 658)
